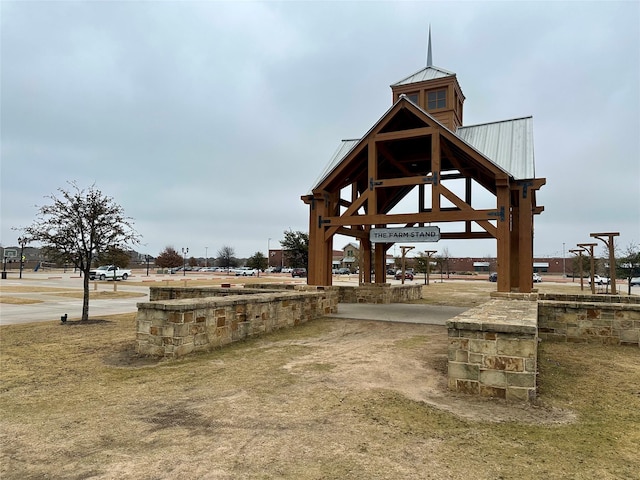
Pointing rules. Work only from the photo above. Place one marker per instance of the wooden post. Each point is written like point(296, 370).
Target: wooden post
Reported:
point(525, 240)
point(612, 256)
point(579, 252)
point(429, 253)
point(504, 236)
point(404, 253)
point(589, 248)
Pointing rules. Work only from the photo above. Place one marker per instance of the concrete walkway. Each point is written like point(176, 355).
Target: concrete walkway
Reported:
point(398, 312)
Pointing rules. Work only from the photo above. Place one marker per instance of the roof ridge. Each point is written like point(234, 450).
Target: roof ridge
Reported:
point(430, 67)
point(493, 123)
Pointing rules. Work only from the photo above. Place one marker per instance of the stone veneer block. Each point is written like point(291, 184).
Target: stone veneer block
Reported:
point(499, 341)
point(215, 317)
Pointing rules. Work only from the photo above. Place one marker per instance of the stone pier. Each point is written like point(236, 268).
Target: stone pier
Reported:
point(493, 350)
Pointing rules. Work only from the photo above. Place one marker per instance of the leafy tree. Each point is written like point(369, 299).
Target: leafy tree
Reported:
point(295, 247)
point(586, 265)
point(226, 257)
point(192, 262)
point(80, 225)
point(169, 258)
point(114, 256)
point(258, 261)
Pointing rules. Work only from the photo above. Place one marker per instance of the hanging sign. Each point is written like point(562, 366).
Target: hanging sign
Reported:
point(408, 234)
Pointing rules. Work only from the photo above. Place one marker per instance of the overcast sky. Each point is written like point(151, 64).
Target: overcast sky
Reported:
point(206, 121)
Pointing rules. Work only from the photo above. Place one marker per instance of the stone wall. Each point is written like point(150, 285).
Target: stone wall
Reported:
point(606, 319)
point(384, 293)
point(175, 327)
point(493, 350)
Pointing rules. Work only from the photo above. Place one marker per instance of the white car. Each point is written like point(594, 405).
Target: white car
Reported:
point(635, 281)
point(244, 272)
point(598, 280)
point(536, 278)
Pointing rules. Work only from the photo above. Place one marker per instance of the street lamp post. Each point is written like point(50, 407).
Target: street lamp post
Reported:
point(269, 252)
point(147, 257)
point(206, 257)
point(22, 241)
point(184, 261)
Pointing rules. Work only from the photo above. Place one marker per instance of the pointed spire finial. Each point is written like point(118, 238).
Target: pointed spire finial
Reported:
point(429, 61)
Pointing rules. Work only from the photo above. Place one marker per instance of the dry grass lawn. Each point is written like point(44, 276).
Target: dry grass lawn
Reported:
point(332, 399)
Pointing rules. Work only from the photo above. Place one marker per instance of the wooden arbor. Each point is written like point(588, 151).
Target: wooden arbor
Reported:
point(409, 149)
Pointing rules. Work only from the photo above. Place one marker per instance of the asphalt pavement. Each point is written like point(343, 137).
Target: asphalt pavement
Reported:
point(51, 306)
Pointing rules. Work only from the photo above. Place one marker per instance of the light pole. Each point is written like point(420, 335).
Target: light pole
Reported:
point(22, 241)
point(206, 258)
point(184, 260)
point(269, 252)
point(147, 257)
point(564, 267)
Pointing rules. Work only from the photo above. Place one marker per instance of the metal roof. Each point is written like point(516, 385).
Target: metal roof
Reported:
point(428, 73)
point(508, 144)
point(342, 151)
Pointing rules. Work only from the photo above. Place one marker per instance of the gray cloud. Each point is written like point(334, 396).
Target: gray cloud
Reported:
point(207, 121)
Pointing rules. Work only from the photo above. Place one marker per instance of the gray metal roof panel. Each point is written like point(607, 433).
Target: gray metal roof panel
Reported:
point(508, 144)
point(428, 73)
point(342, 151)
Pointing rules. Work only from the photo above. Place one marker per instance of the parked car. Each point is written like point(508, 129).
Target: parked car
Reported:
point(493, 277)
point(343, 271)
point(244, 272)
point(391, 271)
point(407, 275)
point(299, 272)
point(598, 280)
point(109, 272)
point(536, 278)
point(635, 281)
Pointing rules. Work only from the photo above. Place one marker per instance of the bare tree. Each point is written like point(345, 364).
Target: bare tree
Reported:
point(226, 257)
point(80, 225)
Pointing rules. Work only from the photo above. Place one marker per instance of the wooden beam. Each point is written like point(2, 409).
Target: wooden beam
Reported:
point(402, 182)
point(411, 133)
point(372, 173)
point(435, 172)
point(458, 202)
point(353, 208)
point(423, 217)
point(382, 149)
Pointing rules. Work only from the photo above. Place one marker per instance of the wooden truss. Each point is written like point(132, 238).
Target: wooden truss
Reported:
point(407, 150)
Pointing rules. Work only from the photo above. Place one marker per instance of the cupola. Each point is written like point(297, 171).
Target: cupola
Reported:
point(435, 90)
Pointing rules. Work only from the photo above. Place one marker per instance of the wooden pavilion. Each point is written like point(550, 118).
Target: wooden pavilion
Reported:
point(420, 145)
